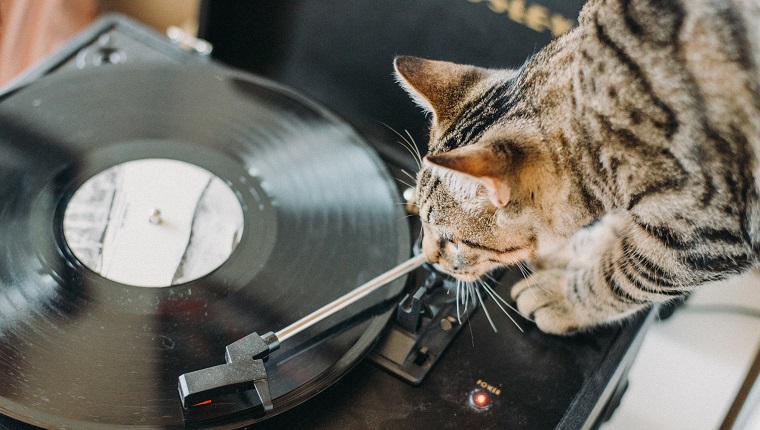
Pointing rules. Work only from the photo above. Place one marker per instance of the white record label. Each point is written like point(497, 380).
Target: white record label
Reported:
point(153, 222)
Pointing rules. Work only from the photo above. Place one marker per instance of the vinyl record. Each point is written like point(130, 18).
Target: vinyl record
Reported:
point(151, 216)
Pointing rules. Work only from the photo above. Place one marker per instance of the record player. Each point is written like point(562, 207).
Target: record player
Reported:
point(290, 208)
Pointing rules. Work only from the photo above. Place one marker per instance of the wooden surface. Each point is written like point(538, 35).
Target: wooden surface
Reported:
point(31, 29)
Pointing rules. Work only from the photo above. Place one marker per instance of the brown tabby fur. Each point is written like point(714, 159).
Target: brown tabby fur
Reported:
point(647, 115)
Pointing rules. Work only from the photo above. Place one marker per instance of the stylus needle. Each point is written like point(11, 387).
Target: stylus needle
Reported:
point(244, 369)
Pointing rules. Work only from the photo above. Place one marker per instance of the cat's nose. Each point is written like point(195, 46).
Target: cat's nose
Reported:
point(431, 254)
point(430, 250)
point(456, 263)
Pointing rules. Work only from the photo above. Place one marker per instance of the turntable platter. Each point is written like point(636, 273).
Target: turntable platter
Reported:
point(82, 348)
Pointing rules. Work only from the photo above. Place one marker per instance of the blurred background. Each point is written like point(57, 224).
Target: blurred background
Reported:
point(339, 53)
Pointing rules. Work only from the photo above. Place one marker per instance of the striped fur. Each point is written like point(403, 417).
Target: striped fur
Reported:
point(646, 116)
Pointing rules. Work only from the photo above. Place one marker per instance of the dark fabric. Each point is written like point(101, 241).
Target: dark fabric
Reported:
point(340, 52)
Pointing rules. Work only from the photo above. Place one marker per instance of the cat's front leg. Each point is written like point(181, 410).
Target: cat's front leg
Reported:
point(576, 287)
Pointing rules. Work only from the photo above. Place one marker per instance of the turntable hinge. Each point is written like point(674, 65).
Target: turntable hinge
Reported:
point(188, 42)
point(243, 371)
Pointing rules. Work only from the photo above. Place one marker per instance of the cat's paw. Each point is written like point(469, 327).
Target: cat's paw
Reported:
point(543, 298)
point(543, 295)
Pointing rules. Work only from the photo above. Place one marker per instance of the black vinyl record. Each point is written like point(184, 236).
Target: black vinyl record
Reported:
point(82, 348)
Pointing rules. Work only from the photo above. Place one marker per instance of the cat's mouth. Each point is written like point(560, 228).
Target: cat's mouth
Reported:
point(461, 276)
point(465, 274)
point(474, 272)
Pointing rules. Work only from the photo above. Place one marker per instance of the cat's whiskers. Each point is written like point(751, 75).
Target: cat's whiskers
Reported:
point(484, 285)
point(414, 145)
point(532, 280)
point(405, 217)
point(405, 183)
point(466, 295)
point(466, 291)
point(409, 145)
point(412, 177)
point(456, 300)
point(499, 301)
point(488, 276)
point(485, 309)
point(525, 276)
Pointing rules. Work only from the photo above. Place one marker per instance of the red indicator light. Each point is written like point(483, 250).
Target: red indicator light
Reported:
point(203, 403)
point(480, 399)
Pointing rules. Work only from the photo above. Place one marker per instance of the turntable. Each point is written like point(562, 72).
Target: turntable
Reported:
point(161, 213)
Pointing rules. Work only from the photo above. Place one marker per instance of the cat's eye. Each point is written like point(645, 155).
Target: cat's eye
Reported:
point(443, 241)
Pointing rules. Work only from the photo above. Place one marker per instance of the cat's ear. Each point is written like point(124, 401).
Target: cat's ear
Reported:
point(487, 164)
point(436, 86)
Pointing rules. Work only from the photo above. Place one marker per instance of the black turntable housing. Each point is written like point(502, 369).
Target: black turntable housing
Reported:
point(530, 380)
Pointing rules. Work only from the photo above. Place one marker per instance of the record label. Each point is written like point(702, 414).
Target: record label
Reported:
point(153, 222)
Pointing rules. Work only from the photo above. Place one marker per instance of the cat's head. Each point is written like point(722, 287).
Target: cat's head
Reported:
point(488, 192)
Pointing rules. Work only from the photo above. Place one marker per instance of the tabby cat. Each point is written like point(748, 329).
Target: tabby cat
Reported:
point(642, 125)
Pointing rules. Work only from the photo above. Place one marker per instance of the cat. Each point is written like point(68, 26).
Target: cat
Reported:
point(621, 160)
